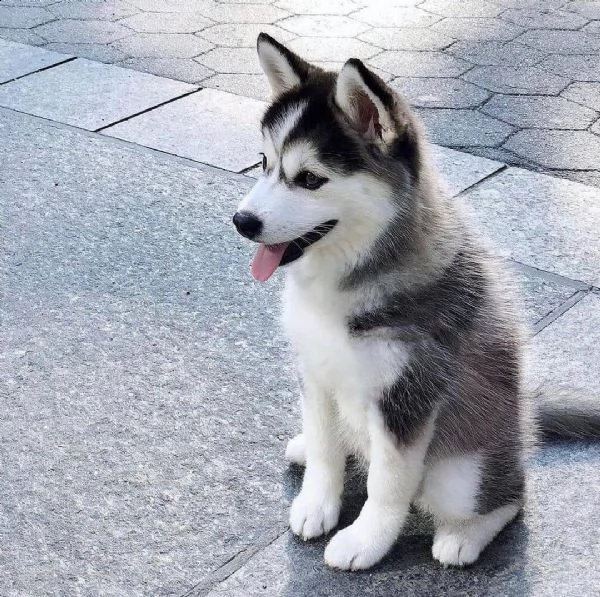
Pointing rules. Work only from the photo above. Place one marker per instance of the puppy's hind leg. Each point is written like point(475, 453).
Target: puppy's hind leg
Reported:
point(295, 451)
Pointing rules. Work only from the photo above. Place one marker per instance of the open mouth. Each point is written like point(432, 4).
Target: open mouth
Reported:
point(269, 257)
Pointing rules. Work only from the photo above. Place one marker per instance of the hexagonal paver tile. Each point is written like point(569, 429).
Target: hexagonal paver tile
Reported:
point(592, 28)
point(35, 3)
point(332, 48)
point(158, 22)
point(170, 5)
point(584, 93)
point(530, 3)
point(163, 45)
point(255, 86)
point(584, 67)
point(109, 10)
point(378, 16)
point(440, 92)
point(460, 128)
point(180, 69)
point(420, 64)
point(322, 26)
point(544, 18)
point(478, 29)
point(539, 112)
point(560, 42)
point(23, 17)
point(231, 60)
point(22, 36)
point(99, 52)
point(242, 13)
point(506, 79)
point(588, 8)
point(399, 38)
point(242, 35)
point(310, 7)
point(496, 53)
point(72, 31)
point(569, 150)
point(464, 8)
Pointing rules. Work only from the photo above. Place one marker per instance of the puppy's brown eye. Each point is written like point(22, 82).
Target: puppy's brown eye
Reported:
point(309, 180)
point(264, 161)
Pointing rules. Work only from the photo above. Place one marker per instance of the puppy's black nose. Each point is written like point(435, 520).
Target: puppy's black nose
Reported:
point(247, 224)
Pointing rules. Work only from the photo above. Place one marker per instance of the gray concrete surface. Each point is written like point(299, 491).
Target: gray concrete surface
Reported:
point(513, 80)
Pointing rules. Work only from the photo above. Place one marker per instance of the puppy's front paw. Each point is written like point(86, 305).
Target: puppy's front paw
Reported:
point(314, 515)
point(455, 549)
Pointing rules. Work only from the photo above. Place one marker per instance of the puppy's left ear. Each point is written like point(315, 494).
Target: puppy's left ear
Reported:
point(366, 102)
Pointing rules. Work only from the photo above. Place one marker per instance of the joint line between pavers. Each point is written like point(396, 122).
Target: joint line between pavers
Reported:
point(559, 311)
point(477, 184)
point(131, 116)
point(245, 170)
point(39, 70)
point(551, 276)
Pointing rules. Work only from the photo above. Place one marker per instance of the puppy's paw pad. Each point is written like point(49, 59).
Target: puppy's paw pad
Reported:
point(350, 549)
point(296, 450)
point(313, 516)
point(455, 549)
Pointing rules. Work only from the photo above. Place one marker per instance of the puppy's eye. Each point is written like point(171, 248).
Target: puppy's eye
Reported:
point(309, 180)
point(264, 161)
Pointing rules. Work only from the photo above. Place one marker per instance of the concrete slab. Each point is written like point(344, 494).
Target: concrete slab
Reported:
point(17, 60)
point(88, 94)
point(211, 126)
point(147, 394)
point(542, 221)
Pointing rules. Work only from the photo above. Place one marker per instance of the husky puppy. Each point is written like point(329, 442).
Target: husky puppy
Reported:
point(409, 356)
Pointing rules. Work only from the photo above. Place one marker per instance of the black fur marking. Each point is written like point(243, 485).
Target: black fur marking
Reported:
point(296, 248)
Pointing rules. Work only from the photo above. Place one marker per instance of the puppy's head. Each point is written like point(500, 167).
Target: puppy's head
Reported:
point(338, 149)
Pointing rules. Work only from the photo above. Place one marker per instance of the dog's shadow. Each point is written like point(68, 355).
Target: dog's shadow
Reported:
point(410, 568)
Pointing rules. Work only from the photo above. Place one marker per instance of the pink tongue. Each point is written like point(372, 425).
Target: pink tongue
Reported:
point(266, 261)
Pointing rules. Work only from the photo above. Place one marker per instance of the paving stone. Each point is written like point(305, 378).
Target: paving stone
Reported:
point(332, 48)
point(157, 22)
point(105, 93)
point(255, 86)
point(572, 150)
point(169, 5)
point(309, 7)
point(73, 31)
point(539, 112)
point(236, 60)
point(322, 26)
point(181, 69)
point(395, 17)
point(99, 52)
point(110, 10)
point(398, 38)
point(243, 35)
point(225, 121)
point(503, 155)
point(588, 177)
point(585, 67)
point(543, 18)
point(496, 53)
point(460, 128)
point(18, 59)
point(592, 28)
point(163, 45)
point(21, 3)
point(478, 29)
point(560, 42)
point(23, 17)
point(439, 92)
point(22, 36)
point(336, 66)
point(465, 8)
point(560, 231)
point(461, 170)
point(596, 128)
point(588, 8)
point(146, 397)
point(243, 13)
point(420, 64)
point(523, 80)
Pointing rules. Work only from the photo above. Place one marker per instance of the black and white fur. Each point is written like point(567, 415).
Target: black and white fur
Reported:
point(409, 355)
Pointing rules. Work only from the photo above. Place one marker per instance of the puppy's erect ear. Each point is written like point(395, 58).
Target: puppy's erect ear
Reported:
point(366, 101)
point(283, 68)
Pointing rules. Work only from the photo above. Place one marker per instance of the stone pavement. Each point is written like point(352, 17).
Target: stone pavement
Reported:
point(147, 395)
point(513, 80)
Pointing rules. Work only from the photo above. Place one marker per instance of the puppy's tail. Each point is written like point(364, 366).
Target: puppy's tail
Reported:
point(556, 423)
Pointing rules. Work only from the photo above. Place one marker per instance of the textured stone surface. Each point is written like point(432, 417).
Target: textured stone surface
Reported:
point(22, 36)
point(575, 150)
point(17, 60)
point(496, 53)
point(204, 126)
point(155, 22)
point(163, 45)
point(331, 7)
point(406, 38)
point(23, 16)
point(506, 79)
point(110, 10)
point(420, 64)
point(322, 26)
point(460, 128)
point(98, 52)
point(181, 69)
point(478, 29)
point(587, 8)
point(243, 35)
point(331, 48)
point(540, 18)
point(587, 94)
point(105, 93)
point(395, 17)
point(440, 92)
point(559, 233)
point(560, 42)
point(74, 31)
point(540, 112)
point(255, 86)
point(232, 60)
point(465, 8)
point(585, 67)
point(143, 434)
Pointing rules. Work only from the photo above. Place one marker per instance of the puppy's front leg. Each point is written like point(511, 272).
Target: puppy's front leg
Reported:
point(316, 509)
point(395, 471)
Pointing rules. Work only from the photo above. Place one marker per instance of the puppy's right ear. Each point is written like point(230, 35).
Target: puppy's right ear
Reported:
point(284, 69)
